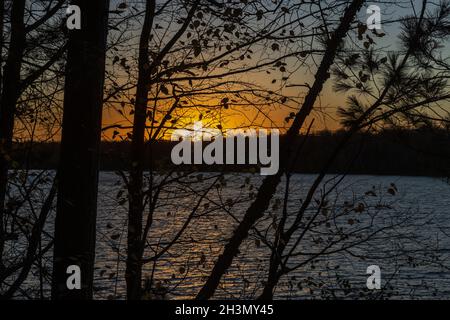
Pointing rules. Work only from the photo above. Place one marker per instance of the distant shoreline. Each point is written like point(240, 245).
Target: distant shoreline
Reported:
point(394, 152)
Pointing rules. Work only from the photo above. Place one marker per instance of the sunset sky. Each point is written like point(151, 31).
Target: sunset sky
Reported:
point(324, 115)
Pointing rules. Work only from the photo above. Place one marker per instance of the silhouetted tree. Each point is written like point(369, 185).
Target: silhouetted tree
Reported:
point(133, 272)
point(269, 185)
point(10, 94)
point(2, 22)
point(75, 225)
point(211, 56)
point(32, 48)
point(399, 92)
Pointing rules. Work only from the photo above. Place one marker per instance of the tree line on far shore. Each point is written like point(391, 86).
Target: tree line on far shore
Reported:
point(422, 152)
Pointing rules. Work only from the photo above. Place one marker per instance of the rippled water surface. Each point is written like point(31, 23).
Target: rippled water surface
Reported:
point(412, 251)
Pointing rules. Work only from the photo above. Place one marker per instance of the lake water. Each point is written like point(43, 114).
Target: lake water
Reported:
point(401, 224)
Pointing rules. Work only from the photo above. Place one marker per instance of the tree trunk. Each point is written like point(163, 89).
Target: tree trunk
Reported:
point(270, 183)
point(133, 271)
point(9, 96)
point(78, 171)
point(2, 198)
point(136, 242)
point(2, 23)
point(269, 287)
